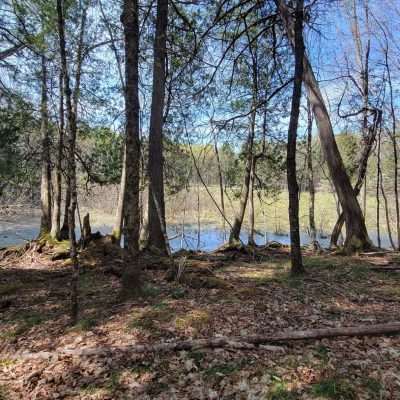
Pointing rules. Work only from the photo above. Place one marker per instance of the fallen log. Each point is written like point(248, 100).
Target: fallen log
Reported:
point(236, 342)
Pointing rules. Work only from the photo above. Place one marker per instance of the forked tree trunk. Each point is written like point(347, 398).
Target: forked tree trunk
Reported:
point(367, 146)
point(45, 187)
point(293, 187)
point(357, 235)
point(71, 166)
point(156, 221)
point(56, 216)
point(130, 21)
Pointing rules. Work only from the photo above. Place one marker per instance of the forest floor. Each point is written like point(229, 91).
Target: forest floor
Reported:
point(237, 294)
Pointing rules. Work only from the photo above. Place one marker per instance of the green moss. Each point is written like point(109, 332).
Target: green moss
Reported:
point(334, 388)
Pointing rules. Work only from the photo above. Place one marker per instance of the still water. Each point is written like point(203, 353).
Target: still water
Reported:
point(18, 229)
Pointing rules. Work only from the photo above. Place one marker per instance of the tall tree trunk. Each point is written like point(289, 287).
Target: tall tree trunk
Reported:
point(357, 235)
point(221, 184)
point(310, 176)
point(293, 187)
point(368, 132)
point(119, 216)
point(56, 216)
point(251, 239)
point(71, 165)
point(45, 188)
point(130, 21)
point(378, 177)
point(393, 138)
point(234, 236)
point(156, 222)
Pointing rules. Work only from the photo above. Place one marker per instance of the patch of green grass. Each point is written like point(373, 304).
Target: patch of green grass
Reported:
point(279, 391)
point(150, 290)
point(150, 320)
point(334, 388)
point(373, 386)
point(85, 324)
point(197, 356)
point(114, 381)
point(28, 321)
point(323, 353)
point(178, 293)
point(7, 289)
point(222, 369)
point(195, 319)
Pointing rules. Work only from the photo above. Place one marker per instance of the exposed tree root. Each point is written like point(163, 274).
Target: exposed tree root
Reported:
point(238, 342)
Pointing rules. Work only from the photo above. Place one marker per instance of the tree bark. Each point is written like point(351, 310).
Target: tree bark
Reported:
point(251, 240)
point(45, 187)
point(310, 175)
point(293, 187)
point(357, 235)
point(156, 222)
point(234, 236)
point(56, 216)
point(119, 216)
point(130, 21)
point(71, 165)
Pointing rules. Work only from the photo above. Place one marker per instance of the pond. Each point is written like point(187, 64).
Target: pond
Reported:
point(18, 229)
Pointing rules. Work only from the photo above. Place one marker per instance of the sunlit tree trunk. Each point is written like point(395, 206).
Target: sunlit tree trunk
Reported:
point(293, 187)
point(156, 212)
point(119, 216)
point(130, 21)
point(45, 187)
point(56, 216)
point(71, 165)
point(357, 235)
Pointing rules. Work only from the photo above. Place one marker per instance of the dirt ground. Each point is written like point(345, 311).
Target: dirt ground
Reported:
point(235, 295)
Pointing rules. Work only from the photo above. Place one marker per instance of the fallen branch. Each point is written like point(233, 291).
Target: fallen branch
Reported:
point(238, 342)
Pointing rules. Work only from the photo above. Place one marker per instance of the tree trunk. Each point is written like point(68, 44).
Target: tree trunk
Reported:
point(251, 239)
point(378, 176)
point(357, 235)
point(130, 21)
point(221, 184)
point(56, 216)
point(235, 342)
point(311, 187)
point(119, 217)
point(64, 232)
point(293, 187)
point(45, 188)
point(234, 236)
point(156, 222)
point(71, 165)
point(368, 142)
